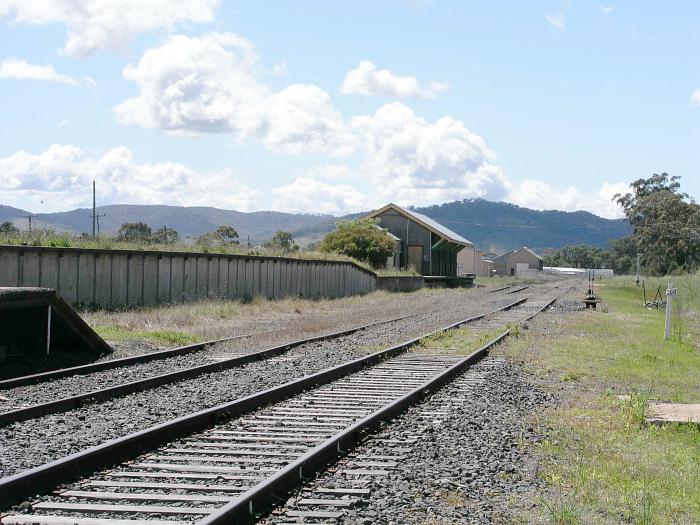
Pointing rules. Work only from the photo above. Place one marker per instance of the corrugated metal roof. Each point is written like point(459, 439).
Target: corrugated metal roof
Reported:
point(430, 223)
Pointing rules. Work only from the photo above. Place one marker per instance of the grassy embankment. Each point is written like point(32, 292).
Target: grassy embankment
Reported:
point(600, 462)
point(64, 240)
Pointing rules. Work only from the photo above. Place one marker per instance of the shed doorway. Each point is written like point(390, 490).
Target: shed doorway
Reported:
point(415, 258)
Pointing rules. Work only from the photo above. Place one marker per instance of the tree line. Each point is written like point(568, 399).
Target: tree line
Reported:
point(665, 235)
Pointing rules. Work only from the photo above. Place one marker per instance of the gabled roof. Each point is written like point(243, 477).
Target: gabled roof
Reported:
point(425, 221)
point(530, 252)
point(503, 257)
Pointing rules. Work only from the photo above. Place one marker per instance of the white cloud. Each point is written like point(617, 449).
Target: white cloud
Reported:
point(542, 196)
point(62, 177)
point(309, 195)
point(96, 25)
point(366, 79)
point(557, 20)
point(212, 84)
point(695, 99)
point(18, 69)
point(413, 161)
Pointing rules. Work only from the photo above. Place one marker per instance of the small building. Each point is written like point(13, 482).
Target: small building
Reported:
point(514, 262)
point(427, 246)
point(471, 261)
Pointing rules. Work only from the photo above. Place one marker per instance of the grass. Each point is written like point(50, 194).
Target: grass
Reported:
point(159, 337)
point(600, 462)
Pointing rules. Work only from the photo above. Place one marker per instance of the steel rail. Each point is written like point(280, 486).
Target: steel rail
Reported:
point(273, 489)
point(136, 359)
point(21, 486)
point(97, 396)
point(113, 363)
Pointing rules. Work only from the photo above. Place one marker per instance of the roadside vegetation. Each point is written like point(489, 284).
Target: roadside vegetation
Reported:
point(599, 461)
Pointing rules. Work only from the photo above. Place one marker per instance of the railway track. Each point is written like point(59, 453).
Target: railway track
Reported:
point(269, 441)
point(23, 404)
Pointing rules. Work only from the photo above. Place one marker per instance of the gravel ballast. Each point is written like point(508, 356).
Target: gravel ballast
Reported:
point(28, 395)
point(460, 454)
point(31, 443)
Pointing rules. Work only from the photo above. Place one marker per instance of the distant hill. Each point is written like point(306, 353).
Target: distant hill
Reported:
point(506, 226)
point(487, 224)
point(8, 213)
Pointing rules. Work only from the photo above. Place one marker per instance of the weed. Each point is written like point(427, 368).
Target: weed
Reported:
point(561, 513)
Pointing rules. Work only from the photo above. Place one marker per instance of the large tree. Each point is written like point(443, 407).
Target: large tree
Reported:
point(361, 239)
point(666, 224)
point(8, 228)
point(134, 231)
point(282, 241)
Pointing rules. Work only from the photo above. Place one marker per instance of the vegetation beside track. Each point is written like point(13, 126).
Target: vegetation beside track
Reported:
point(599, 461)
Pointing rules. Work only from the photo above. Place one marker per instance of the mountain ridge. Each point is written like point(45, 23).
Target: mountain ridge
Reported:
point(490, 225)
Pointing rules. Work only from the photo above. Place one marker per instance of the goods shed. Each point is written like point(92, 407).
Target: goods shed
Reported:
point(427, 247)
point(516, 261)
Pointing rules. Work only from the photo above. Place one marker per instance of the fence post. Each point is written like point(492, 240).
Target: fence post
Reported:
point(670, 292)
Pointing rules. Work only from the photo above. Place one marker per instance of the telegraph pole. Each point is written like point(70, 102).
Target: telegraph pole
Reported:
point(29, 218)
point(638, 255)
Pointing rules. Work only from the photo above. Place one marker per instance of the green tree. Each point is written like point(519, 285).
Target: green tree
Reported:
point(8, 228)
point(282, 241)
point(134, 231)
point(666, 224)
point(165, 235)
point(222, 235)
point(361, 239)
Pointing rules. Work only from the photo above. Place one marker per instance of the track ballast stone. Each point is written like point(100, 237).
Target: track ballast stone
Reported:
point(461, 455)
point(31, 443)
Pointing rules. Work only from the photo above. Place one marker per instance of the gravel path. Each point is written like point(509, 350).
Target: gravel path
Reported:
point(460, 458)
point(31, 443)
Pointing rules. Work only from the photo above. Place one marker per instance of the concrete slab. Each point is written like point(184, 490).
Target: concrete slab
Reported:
point(661, 413)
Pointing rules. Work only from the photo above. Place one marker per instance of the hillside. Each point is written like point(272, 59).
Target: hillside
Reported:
point(506, 226)
point(188, 221)
point(487, 224)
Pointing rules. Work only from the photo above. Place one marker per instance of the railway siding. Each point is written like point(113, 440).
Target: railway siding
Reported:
point(377, 384)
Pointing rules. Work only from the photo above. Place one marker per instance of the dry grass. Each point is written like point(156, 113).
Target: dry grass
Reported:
point(213, 319)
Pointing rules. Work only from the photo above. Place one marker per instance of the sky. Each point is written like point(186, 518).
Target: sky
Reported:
point(330, 107)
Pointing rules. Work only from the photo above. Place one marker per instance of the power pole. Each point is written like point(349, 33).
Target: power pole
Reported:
point(94, 216)
point(98, 222)
point(638, 255)
point(29, 218)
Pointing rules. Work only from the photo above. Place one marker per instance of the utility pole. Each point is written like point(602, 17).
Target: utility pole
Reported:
point(670, 292)
point(29, 218)
point(638, 255)
point(98, 222)
point(94, 216)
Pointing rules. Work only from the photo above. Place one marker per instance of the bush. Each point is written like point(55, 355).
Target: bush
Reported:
point(360, 239)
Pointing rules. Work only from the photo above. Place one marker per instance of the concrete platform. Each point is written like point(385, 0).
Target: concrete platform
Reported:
point(661, 413)
point(441, 281)
point(40, 331)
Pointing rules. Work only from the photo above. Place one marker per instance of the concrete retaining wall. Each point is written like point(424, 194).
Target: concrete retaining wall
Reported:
point(400, 283)
point(120, 278)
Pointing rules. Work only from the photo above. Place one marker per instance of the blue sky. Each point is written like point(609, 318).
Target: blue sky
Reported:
point(323, 108)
